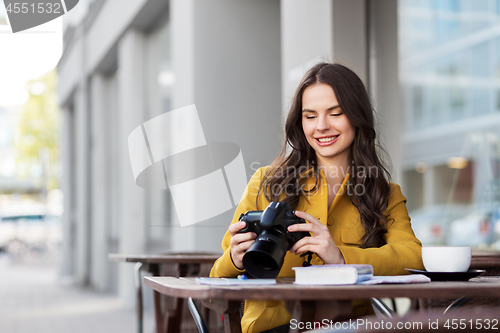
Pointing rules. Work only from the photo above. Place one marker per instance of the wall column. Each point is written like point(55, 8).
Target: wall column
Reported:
point(130, 77)
point(306, 38)
point(350, 37)
point(384, 79)
point(99, 155)
point(82, 184)
point(67, 185)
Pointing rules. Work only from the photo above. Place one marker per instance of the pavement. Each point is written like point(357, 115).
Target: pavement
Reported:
point(33, 300)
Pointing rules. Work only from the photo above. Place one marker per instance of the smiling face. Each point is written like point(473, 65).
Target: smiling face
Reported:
point(325, 126)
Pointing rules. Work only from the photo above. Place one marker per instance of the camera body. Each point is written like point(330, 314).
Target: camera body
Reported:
point(265, 256)
point(279, 216)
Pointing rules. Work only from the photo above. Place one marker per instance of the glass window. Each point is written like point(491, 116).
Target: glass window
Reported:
point(450, 57)
point(449, 52)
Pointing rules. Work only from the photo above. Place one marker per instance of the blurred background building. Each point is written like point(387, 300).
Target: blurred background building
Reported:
point(449, 73)
point(431, 67)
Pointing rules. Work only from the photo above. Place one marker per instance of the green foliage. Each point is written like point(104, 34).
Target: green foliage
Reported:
point(39, 128)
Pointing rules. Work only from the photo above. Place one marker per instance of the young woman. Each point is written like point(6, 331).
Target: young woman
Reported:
point(330, 172)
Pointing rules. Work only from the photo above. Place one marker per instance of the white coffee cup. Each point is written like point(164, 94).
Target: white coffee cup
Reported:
point(446, 258)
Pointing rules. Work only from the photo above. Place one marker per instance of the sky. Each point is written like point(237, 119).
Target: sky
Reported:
point(26, 55)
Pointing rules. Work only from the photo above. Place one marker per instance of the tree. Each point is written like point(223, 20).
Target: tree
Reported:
point(38, 131)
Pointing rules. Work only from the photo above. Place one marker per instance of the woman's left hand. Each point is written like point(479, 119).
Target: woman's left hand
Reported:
point(321, 241)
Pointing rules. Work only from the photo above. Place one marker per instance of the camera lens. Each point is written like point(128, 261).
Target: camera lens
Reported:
point(263, 260)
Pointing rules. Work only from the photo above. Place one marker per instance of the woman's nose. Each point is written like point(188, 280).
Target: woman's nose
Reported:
point(322, 124)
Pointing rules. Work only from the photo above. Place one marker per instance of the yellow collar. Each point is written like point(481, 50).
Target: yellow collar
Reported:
point(340, 193)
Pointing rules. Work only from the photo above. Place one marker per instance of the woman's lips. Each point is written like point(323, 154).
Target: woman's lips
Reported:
point(330, 141)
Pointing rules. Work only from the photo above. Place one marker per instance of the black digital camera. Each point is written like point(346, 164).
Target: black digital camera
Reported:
point(264, 258)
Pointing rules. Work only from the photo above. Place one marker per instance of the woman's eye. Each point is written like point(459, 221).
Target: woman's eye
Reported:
point(336, 114)
point(310, 117)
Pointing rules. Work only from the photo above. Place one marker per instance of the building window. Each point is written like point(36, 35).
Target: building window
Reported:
point(449, 52)
point(450, 60)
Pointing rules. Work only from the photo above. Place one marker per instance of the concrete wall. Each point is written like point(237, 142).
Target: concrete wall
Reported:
point(384, 80)
point(114, 18)
point(130, 77)
point(82, 185)
point(226, 60)
point(100, 198)
point(350, 35)
point(68, 187)
point(306, 38)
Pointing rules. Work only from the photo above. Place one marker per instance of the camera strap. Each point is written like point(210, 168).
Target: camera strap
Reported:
point(307, 262)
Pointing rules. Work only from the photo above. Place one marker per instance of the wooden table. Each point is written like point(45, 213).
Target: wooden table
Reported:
point(487, 259)
point(309, 303)
point(170, 264)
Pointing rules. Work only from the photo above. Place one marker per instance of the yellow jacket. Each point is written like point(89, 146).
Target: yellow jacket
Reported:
point(403, 249)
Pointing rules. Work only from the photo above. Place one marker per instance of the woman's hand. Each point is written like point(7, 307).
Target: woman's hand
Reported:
point(321, 241)
point(240, 243)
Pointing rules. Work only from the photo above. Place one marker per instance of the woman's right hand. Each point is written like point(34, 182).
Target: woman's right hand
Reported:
point(240, 243)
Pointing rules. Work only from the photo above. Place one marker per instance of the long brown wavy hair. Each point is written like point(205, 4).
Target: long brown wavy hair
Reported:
point(355, 103)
